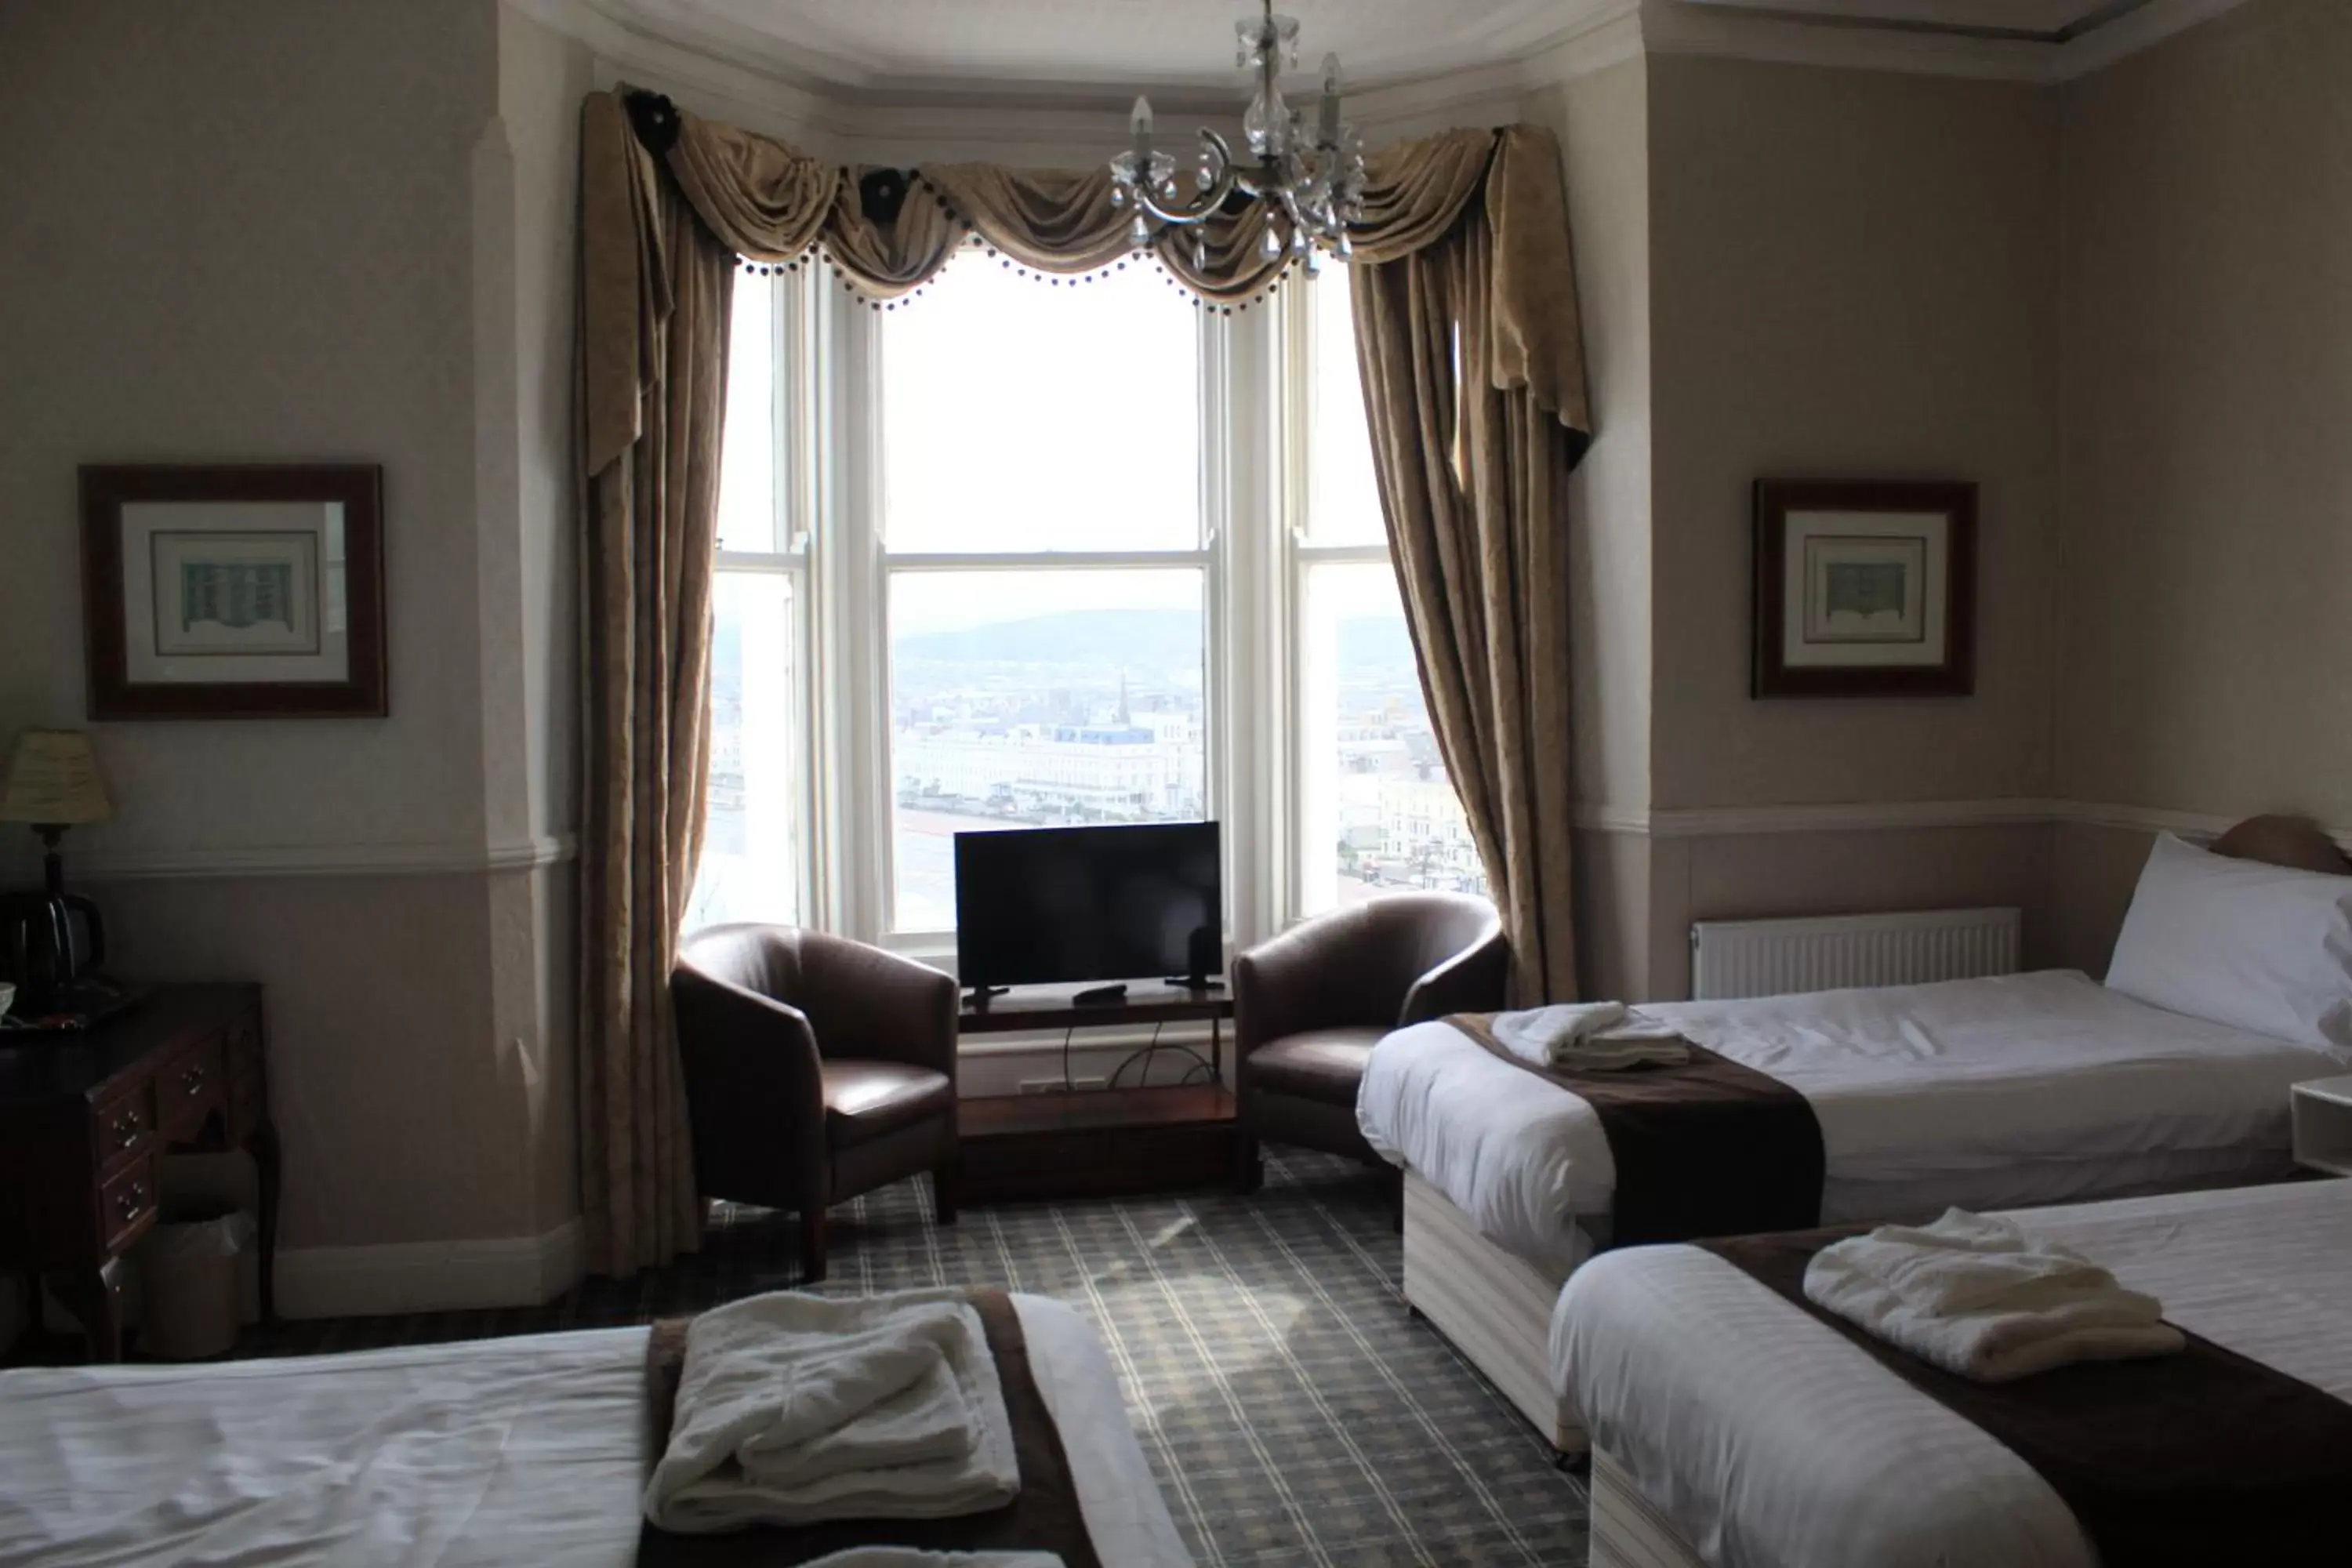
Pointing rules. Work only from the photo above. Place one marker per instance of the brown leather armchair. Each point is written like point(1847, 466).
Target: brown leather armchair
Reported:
point(816, 1068)
point(1309, 1005)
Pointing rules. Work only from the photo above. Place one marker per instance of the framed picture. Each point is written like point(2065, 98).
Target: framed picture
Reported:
point(233, 591)
point(1865, 588)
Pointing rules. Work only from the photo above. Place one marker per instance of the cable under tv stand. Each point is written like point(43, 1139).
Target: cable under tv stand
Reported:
point(1099, 1142)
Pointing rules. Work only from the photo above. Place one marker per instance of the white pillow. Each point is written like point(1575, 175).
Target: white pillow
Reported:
point(2254, 946)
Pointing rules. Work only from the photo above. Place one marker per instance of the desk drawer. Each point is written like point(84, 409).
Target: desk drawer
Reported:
point(189, 1087)
point(125, 1127)
point(126, 1205)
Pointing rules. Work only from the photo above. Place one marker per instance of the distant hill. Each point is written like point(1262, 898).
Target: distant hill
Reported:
point(1142, 639)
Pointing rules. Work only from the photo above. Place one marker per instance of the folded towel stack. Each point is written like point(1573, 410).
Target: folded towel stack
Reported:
point(792, 1408)
point(1980, 1296)
point(1596, 1036)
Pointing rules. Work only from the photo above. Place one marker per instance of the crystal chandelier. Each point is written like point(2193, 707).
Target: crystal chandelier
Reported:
point(1310, 183)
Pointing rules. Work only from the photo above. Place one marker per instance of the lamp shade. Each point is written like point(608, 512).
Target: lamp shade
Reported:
point(53, 778)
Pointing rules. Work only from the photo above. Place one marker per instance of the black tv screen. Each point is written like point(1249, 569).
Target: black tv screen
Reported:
point(1046, 905)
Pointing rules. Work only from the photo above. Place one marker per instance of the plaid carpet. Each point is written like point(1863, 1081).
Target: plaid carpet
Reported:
point(1291, 1410)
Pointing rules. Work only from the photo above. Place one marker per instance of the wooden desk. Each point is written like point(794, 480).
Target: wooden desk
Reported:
point(85, 1119)
point(1097, 1142)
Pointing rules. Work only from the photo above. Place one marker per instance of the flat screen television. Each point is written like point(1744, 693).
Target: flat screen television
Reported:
point(1051, 905)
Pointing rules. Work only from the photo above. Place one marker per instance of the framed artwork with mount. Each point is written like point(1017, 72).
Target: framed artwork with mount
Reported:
point(233, 591)
point(1865, 588)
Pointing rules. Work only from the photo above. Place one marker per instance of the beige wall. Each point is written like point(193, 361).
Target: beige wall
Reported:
point(1602, 122)
point(2206, 651)
point(2205, 646)
point(274, 229)
point(1852, 275)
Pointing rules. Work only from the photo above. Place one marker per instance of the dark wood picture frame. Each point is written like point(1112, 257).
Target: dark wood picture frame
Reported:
point(107, 488)
point(1954, 501)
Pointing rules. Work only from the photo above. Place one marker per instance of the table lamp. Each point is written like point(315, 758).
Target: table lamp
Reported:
point(53, 783)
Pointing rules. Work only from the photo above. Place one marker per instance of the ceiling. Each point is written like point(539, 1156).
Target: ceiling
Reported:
point(922, 47)
point(916, 43)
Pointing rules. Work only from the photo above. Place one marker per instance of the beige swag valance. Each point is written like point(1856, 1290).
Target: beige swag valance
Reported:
point(887, 234)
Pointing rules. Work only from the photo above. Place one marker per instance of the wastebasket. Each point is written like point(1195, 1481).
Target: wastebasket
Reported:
point(187, 1283)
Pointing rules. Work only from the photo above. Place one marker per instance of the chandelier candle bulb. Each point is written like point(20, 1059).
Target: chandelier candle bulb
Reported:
point(1140, 123)
point(1327, 130)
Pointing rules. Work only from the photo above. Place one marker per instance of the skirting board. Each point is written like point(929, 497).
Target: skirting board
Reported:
point(429, 1275)
point(1495, 1306)
point(1628, 1530)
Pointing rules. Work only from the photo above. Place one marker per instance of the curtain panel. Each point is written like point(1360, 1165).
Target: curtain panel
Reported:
point(654, 310)
point(1468, 337)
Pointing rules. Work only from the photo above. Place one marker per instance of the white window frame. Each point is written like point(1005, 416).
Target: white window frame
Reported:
point(1255, 553)
point(1300, 555)
point(793, 536)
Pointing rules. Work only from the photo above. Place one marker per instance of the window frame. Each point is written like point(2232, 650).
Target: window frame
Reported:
point(792, 535)
point(1256, 552)
point(870, 883)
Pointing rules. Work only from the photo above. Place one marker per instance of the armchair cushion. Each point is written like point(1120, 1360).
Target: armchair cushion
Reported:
point(866, 1099)
point(1325, 1065)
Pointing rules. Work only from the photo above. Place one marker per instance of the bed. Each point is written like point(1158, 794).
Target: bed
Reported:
point(2004, 1092)
point(1730, 1427)
point(516, 1451)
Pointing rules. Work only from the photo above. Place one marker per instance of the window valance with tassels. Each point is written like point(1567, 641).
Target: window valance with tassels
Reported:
point(886, 232)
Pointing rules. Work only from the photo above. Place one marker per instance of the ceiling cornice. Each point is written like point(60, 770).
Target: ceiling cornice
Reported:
point(1965, 43)
point(847, 110)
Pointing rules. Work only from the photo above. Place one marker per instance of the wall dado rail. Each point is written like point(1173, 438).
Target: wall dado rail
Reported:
point(426, 859)
point(1869, 817)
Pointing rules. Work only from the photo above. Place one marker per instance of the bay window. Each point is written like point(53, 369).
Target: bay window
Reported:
point(1023, 554)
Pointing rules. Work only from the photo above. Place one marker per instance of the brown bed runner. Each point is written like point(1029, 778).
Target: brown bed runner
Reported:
point(1711, 1148)
point(1044, 1516)
point(2180, 1461)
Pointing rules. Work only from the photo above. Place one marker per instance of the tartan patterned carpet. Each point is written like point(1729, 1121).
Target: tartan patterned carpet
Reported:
point(1291, 1410)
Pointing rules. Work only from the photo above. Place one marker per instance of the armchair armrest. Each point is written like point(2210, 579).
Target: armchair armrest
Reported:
point(1326, 974)
point(1475, 980)
point(754, 1092)
point(864, 1002)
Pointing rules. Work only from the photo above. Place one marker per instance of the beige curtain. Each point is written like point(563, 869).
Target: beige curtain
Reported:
point(1473, 385)
point(655, 290)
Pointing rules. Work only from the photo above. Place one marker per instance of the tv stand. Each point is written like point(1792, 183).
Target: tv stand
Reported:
point(1095, 1142)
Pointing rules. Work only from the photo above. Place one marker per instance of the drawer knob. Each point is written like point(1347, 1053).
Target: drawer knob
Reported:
point(130, 1201)
point(126, 1131)
point(192, 1079)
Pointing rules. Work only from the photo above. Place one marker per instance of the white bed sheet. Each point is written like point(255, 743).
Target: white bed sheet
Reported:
point(1995, 1094)
point(510, 1452)
point(1770, 1441)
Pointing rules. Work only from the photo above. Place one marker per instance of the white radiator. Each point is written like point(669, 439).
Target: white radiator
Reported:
point(1771, 958)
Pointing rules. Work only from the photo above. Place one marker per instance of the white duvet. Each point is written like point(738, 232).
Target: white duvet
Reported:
point(1771, 1441)
point(1981, 1094)
point(510, 1452)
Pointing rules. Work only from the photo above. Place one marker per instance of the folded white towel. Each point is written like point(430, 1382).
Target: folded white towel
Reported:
point(1981, 1298)
point(1589, 1036)
point(793, 1408)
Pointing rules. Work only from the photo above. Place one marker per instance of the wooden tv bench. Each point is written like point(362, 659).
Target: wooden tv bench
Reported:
point(1097, 1142)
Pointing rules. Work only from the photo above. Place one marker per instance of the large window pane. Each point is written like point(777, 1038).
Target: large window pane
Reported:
point(1343, 497)
point(750, 844)
point(1378, 814)
point(748, 471)
point(1022, 698)
point(1022, 416)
